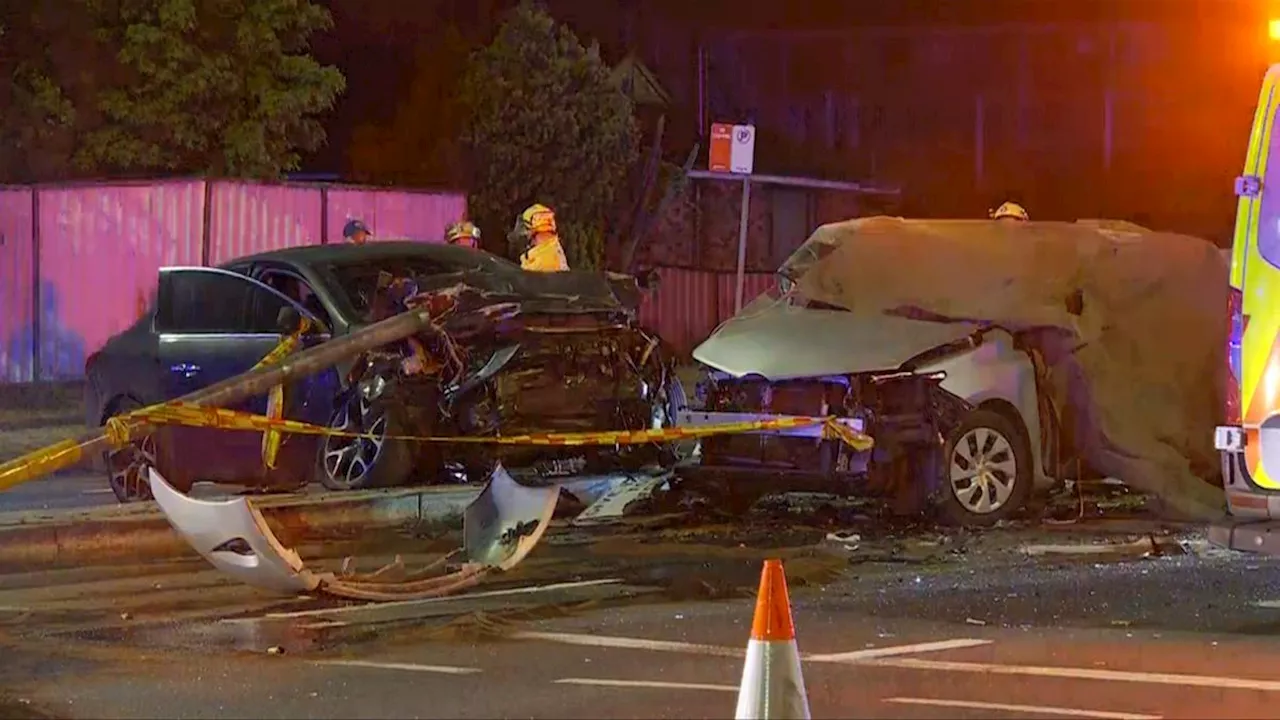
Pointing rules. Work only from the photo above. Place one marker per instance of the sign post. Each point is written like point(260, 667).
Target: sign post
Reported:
point(732, 150)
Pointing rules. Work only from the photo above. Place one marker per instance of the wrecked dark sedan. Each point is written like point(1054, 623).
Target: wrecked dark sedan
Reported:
point(514, 352)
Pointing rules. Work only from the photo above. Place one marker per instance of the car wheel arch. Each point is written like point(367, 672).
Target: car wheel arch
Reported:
point(112, 406)
point(1010, 412)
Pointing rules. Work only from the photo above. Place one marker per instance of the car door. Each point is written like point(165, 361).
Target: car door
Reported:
point(309, 399)
point(213, 324)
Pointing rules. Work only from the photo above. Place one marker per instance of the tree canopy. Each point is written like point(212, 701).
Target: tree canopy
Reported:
point(545, 123)
point(224, 87)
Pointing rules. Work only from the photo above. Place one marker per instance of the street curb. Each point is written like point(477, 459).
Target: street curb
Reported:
point(144, 536)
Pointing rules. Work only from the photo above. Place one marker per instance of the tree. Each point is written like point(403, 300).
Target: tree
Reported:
point(418, 147)
point(43, 42)
point(224, 87)
point(546, 124)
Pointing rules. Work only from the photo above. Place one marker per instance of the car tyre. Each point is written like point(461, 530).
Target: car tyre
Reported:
point(986, 470)
point(126, 467)
point(349, 463)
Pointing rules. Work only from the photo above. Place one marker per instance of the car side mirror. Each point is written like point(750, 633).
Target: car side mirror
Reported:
point(287, 320)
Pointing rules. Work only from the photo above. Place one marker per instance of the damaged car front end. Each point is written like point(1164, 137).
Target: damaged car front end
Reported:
point(510, 357)
point(953, 406)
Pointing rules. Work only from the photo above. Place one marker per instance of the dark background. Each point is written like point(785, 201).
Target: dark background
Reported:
point(1136, 109)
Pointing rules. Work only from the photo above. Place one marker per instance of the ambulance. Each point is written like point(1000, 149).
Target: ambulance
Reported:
point(1249, 442)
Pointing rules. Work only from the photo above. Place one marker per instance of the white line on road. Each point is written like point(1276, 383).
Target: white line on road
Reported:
point(645, 684)
point(627, 643)
point(97, 491)
point(428, 601)
point(1039, 710)
point(883, 660)
point(869, 653)
point(410, 667)
point(1077, 673)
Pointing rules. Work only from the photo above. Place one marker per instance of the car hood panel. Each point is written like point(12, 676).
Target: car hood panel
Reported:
point(780, 342)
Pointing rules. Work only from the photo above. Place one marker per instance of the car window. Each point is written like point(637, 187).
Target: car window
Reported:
point(297, 290)
point(1269, 208)
point(359, 280)
point(208, 301)
point(264, 313)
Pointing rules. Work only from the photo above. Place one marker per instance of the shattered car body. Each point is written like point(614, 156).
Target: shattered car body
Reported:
point(953, 406)
point(513, 352)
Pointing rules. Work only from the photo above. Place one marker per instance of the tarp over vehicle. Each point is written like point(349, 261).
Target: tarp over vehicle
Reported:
point(1133, 325)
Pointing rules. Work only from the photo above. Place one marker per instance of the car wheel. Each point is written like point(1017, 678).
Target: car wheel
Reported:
point(356, 463)
point(127, 466)
point(986, 470)
point(664, 413)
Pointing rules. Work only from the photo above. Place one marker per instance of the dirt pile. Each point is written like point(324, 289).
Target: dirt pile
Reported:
point(1132, 324)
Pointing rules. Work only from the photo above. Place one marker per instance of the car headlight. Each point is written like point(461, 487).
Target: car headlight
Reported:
point(371, 388)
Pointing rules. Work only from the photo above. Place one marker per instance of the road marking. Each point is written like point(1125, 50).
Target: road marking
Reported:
point(924, 647)
point(645, 684)
point(628, 643)
point(1029, 709)
point(97, 491)
point(410, 667)
point(427, 601)
point(1076, 673)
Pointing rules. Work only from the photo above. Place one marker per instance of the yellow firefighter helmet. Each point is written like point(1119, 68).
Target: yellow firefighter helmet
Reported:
point(1010, 211)
point(538, 218)
point(462, 233)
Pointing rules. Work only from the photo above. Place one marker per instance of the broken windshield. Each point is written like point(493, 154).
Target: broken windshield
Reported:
point(358, 279)
point(818, 246)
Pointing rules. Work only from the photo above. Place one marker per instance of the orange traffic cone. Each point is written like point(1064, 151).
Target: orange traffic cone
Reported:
point(772, 686)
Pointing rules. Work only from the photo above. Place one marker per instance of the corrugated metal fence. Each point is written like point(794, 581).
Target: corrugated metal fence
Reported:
point(79, 264)
point(689, 304)
point(91, 255)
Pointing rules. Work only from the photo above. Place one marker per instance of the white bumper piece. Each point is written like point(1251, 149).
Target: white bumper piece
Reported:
point(233, 536)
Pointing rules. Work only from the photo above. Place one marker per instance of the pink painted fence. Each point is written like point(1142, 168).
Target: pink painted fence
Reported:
point(79, 264)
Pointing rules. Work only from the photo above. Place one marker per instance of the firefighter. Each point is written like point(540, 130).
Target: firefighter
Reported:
point(1010, 211)
point(355, 231)
point(536, 231)
point(463, 233)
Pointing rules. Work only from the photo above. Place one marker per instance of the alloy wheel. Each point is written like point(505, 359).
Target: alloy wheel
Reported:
point(349, 460)
point(982, 470)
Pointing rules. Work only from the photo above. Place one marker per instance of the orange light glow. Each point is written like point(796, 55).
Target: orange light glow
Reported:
point(1275, 29)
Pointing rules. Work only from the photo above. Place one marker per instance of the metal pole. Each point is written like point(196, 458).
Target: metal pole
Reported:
point(206, 231)
point(324, 214)
point(743, 221)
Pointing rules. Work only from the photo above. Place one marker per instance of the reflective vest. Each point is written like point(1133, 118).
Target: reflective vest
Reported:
point(545, 255)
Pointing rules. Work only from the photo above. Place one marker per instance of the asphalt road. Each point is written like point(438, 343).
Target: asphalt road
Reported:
point(64, 491)
point(1190, 636)
point(82, 490)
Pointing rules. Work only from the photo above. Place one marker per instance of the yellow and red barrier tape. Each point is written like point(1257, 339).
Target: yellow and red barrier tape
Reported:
point(224, 419)
point(272, 439)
